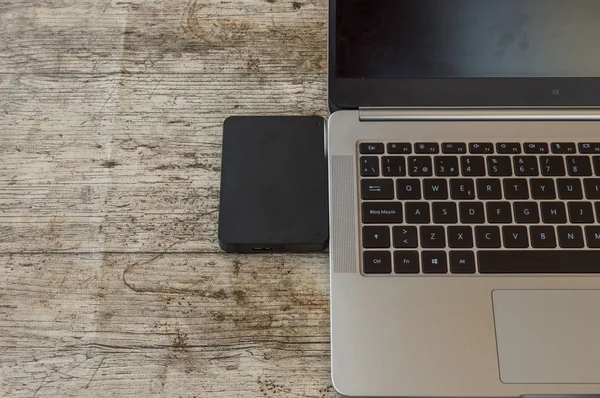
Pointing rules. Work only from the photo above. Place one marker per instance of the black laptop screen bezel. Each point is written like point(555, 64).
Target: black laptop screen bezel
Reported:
point(345, 93)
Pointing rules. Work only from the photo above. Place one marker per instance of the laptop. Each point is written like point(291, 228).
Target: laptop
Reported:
point(464, 168)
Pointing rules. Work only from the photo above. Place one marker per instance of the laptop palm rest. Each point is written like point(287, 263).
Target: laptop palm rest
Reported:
point(548, 336)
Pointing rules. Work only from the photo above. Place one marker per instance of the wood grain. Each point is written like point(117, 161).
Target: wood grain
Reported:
point(111, 280)
point(164, 36)
point(121, 163)
point(164, 324)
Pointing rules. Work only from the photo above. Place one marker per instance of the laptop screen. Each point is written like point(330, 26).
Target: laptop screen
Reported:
point(467, 38)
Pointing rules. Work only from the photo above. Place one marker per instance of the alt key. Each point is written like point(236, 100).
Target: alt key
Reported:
point(462, 262)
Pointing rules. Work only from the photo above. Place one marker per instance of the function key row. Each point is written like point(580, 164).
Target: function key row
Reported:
point(457, 148)
point(479, 166)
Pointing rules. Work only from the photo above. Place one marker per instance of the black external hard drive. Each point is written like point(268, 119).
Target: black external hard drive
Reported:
point(274, 184)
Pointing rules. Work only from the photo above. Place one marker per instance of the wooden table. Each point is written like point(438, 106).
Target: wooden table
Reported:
point(111, 279)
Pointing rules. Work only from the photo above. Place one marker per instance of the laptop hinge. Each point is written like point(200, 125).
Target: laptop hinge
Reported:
point(478, 114)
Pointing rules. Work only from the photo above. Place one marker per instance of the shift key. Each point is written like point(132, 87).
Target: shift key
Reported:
point(382, 213)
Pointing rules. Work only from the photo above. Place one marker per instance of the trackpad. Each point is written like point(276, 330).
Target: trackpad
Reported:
point(548, 336)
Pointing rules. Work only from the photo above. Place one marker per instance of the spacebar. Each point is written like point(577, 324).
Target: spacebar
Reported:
point(538, 261)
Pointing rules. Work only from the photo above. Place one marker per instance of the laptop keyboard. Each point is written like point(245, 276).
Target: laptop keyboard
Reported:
point(479, 207)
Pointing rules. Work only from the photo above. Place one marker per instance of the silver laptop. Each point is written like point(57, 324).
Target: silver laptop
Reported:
point(465, 197)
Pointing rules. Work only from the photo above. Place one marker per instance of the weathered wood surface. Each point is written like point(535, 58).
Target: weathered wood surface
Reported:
point(111, 280)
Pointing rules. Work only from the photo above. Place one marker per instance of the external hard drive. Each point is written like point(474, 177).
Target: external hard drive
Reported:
point(274, 184)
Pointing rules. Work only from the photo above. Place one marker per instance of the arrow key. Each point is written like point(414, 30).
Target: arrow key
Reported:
point(376, 237)
point(405, 237)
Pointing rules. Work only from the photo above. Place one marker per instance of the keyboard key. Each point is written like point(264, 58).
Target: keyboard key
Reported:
point(542, 188)
point(408, 188)
point(393, 166)
point(460, 237)
point(377, 189)
point(471, 213)
point(478, 148)
point(376, 237)
point(589, 147)
point(515, 188)
point(369, 166)
point(454, 148)
point(579, 166)
point(444, 213)
point(405, 237)
point(596, 162)
point(570, 237)
point(553, 212)
point(462, 189)
point(370, 148)
point(377, 262)
point(472, 166)
point(400, 148)
point(580, 212)
point(419, 166)
point(498, 212)
point(446, 166)
point(417, 213)
point(552, 166)
point(489, 188)
point(382, 213)
point(563, 148)
point(538, 261)
point(592, 237)
point(433, 237)
point(434, 262)
point(542, 237)
point(592, 188)
point(499, 166)
point(515, 237)
point(435, 188)
point(406, 262)
point(508, 148)
point(462, 262)
point(526, 166)
point(536, 147)
point(569, 188)
point(526, 212)
point(427, 147)
point(487, 237)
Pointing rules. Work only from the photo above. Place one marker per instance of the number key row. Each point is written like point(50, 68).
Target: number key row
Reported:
point(479, 166)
